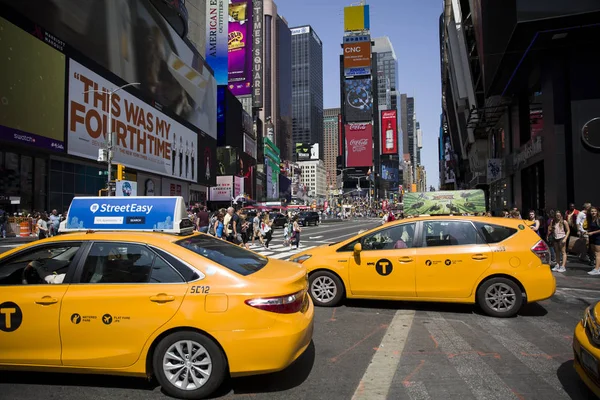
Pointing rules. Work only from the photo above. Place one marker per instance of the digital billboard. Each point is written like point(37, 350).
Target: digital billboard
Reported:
point(358, 100)
point(145, 138)
point(389, 132)
point(359, 145)
point(246, 168)
point(356, 18)
point(227, 161)
point(133, 41)
point(303, 151)
point(357, 58)
point(217, 37)
point(23, 96)
point(223, 191)
point(240, 47)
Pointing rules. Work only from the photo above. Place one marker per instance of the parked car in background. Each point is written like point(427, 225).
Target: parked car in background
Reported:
point(306, 218)
point(279, 220)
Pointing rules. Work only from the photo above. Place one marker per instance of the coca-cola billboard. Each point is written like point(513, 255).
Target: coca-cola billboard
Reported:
point(389, 134)
point(359, 145)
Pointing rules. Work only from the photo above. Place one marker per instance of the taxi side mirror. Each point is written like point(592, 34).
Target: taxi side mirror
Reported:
point(357, 248)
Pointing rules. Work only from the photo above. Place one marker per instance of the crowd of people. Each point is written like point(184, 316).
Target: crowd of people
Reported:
point(240, 228)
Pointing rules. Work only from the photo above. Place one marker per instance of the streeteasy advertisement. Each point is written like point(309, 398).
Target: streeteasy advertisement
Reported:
point(145, 138)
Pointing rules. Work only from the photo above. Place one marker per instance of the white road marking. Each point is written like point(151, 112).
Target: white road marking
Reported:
point(290, 253)
point(377, 380)
point(11, 246)
point(479, 377)
point(316, 237)
point(417, 391)
point(529, 354)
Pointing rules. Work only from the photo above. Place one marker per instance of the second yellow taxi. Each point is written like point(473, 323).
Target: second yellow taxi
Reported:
point(497, 263)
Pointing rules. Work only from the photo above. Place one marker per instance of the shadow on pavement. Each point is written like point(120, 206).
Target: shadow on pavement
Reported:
point(571, 383)
point(528, 310)
point(289, 378)
point(60, 379)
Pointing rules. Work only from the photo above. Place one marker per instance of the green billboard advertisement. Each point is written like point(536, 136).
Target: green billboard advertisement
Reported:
point(444, 202)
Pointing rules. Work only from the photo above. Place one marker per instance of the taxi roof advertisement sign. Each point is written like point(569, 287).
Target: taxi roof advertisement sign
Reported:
point(142, 213)
point(444, 202)
point(145, 138)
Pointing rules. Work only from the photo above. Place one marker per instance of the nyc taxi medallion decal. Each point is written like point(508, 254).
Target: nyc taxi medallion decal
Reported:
point(11, 316)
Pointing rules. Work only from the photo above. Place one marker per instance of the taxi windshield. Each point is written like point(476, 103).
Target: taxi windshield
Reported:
point(235, 258)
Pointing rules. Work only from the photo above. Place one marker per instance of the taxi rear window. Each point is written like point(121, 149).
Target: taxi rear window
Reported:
point(230, 256)
point(494, 233)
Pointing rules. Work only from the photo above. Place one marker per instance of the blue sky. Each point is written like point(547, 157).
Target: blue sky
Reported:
point(412, 26)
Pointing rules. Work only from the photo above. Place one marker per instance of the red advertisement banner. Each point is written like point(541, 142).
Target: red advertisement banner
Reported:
point(359, 144)
point(389, 132)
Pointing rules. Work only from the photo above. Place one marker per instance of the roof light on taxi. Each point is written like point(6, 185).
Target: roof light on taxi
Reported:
point(288, 304)
point(165, 214)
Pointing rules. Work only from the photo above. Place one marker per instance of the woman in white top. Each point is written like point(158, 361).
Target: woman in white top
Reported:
point(557, 234)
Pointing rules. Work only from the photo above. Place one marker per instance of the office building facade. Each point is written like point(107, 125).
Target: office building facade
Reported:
point(307, 87)
point(331, 150)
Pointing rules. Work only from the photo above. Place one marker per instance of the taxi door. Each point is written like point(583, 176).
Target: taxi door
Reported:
point(126, 292)
point(30, 307)
point(386, 264)
point(451, 259)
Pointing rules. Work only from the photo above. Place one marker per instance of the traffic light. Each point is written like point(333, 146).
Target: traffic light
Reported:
point(120, 172)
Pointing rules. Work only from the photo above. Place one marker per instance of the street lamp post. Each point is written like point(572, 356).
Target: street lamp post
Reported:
point(109, 136)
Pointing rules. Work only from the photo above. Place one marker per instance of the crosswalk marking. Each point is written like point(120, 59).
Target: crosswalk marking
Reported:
point(542, 365)
point(290, 253)
point(479, 377)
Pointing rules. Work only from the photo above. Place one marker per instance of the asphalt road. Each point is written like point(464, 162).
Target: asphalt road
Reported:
point(391, 350)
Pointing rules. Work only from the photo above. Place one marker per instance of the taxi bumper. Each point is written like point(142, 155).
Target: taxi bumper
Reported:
point(581, 344)
point(539, 283)
point(270, 350)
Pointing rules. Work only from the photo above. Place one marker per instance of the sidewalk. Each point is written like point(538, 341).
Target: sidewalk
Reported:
point(17, 240)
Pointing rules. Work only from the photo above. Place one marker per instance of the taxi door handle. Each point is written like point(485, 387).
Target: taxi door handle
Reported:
point(162, 298)
point(479, 257)
point(47, 300)
point(405, 259)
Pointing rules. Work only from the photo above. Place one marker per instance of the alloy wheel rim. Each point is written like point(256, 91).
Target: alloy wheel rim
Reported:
point(187, 365)
point(500, 297)
point(323, 289)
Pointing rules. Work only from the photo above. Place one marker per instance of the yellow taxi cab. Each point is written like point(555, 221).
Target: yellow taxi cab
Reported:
point(586, 348)
point(497, 263)
point(129, 289)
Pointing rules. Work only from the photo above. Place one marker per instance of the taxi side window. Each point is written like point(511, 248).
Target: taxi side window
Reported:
point(450, 233)
point(43, 265)
point(394, 238)
point(495, 233)
point(126, 263)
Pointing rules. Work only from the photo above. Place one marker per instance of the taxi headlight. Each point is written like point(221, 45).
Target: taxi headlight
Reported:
point(301, 259)
point(591, 325)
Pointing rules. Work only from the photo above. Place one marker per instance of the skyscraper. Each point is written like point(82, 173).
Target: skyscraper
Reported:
point(307, 87)
point(387, 69)
point(408, 121)
point(331, 143)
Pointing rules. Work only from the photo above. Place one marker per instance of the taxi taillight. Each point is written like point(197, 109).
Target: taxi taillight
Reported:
point(542, 251)
point(288, 304)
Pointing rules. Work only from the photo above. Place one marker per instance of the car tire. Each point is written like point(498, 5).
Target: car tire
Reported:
point(172, 385)
point(494, 294)
point(322, 297)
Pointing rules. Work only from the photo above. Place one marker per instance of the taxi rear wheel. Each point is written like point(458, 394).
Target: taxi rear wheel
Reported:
point(189, 365)
point(500, 297)
point(326, 289)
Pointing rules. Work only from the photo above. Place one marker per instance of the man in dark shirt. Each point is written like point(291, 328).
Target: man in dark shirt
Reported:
point(203, 220)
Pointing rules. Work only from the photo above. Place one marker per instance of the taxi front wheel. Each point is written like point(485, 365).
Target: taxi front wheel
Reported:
point(189, 365)
point(500, 297)
point(326, 289)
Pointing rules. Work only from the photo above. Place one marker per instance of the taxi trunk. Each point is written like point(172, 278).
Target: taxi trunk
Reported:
point(279, 290)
